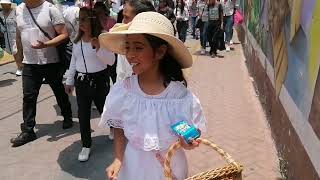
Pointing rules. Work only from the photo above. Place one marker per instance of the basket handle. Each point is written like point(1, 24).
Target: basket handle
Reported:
point(177, 145)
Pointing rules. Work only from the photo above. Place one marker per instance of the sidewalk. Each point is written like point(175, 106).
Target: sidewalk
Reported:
point(6, 58)
point(236, 122)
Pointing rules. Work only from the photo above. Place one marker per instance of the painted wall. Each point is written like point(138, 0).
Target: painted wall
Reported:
point(288, 33)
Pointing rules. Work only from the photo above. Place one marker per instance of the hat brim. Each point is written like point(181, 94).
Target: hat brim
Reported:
point(115, 42)
point(13, 5)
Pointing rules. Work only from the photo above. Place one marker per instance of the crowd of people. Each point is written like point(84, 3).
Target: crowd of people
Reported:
point(213, 18)
point(138, 45)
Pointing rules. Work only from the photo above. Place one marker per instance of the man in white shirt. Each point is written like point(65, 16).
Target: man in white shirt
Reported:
point(131, 9)
point(40, 61)
point(70, 10)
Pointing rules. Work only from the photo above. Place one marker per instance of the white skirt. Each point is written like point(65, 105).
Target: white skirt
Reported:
point(143, 165)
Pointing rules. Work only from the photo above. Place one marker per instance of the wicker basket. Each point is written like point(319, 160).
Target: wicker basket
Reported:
point(231, 171)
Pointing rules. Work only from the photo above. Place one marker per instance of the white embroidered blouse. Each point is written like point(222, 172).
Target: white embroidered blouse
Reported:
point(146, 119)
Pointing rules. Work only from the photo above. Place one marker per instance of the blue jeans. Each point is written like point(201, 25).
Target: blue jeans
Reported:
point(229, 22)
point(193, 24)
point(203, 34)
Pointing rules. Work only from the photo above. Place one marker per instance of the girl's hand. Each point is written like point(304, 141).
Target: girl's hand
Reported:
point(68, 89)
point(189, 146)
point(113, 170)
point(95, 43)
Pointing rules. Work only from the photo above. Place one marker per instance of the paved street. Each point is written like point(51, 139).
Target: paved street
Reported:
point(236, 122)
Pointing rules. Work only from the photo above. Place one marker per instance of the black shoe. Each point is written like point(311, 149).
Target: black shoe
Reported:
point(67, 123)
point(23, 138)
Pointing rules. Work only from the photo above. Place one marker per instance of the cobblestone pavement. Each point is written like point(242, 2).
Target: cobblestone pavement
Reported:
point(236, 122)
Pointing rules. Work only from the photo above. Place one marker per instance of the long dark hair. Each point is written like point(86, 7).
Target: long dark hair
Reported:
point(103, 7)
point(169, 66)
point(96, 21)
point(181, 7)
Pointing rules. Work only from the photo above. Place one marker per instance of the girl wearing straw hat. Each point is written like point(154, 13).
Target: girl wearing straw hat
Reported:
point(8, 27)
point(142, 107)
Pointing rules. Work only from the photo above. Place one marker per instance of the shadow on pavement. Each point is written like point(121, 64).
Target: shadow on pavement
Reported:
point(74, 106)
point(55, 130)
point(7, 82)
point(101, 156)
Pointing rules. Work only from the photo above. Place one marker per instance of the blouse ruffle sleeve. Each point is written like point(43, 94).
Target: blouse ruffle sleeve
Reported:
point(112, 110)
point(198, 119)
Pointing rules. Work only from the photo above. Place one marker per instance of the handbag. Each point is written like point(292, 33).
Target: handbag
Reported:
point(238, 17)
point(199, 22)
point(64, 49)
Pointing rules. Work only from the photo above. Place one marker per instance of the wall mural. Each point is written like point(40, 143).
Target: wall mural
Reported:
point(288, 34)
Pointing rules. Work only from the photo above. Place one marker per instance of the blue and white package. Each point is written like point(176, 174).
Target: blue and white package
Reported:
point(188, 132)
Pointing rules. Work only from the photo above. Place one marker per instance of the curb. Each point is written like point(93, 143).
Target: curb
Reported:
point(6, 62)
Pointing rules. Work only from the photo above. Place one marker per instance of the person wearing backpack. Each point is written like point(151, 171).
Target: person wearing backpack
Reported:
point(41, 61)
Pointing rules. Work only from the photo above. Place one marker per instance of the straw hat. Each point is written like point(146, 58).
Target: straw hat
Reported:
point(151, 23)
point(7, 2)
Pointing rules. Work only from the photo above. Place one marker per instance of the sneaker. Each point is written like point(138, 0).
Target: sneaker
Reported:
point(231, 42)
point(111, 135)
point(213, 55)
point(18, 72)
point(84, 154)
point(23, 138)
point(203, 52)
point(67, 123)
point(228, 48)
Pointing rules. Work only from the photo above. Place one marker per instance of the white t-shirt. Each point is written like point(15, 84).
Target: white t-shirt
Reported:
point(228, 7)
point(203, 9)
point(184, 16)
point(47, 16)
point(95, 61)
point(70, 14)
